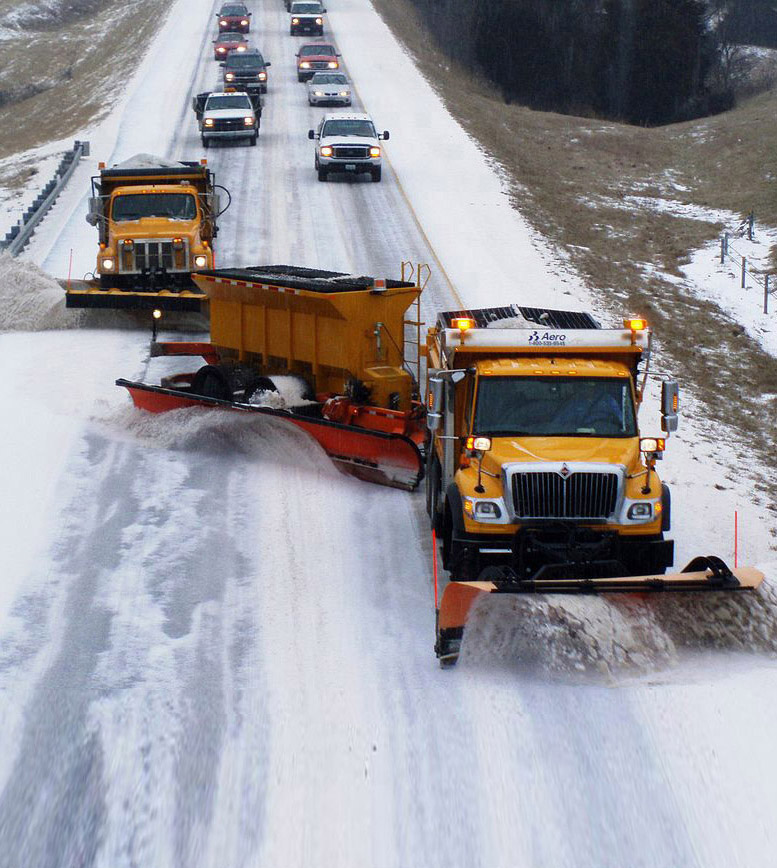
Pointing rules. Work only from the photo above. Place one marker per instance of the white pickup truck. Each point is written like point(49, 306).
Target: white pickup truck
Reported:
point(348, 144)
point(228, 115)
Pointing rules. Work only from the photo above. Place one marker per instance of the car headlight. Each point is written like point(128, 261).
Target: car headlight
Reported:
point(374, 152)
point(209, 122)
point(319, 20)
point(325, 151)
point(221, 50)
point(640, 511)
point(318, 93)
point(295, 20)
point(249, 122)
point(244, 22)
point(230, 76)
point(223, 23)
point(201, 260)
point(344, 93)
point(262, 76)
point(108, 263)
point(241, 48)
point(333, 64)
point(304, 65)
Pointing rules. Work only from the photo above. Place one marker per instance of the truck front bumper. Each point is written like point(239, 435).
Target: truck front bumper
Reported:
point(349, 167)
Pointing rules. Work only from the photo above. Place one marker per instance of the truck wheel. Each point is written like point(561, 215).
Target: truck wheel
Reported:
point(254, 137)
point(455, 558)
point(205, 142)
point(258, 384)
point(322, 173)
point(300, 77)
point(376, 173)
point(211, 382)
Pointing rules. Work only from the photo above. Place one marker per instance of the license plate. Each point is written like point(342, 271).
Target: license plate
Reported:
point(350, 167)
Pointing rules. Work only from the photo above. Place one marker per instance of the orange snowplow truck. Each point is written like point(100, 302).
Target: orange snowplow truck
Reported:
point(537, 476)
point(156, 221)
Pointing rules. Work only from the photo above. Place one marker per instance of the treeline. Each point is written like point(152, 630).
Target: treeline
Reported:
point(640, 61)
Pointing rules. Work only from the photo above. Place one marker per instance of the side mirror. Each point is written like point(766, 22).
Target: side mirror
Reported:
point(95, 211)
point(222, 64)
point(267, 63)
point(311, 134)
point(386, 136)
point(670, 403)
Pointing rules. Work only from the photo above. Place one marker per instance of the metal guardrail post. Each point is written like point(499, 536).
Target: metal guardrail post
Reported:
point(744, 271)
point(766, 294)
point(16, 240)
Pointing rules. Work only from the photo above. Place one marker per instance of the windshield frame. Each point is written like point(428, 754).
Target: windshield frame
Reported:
point(147, 197)
point(631, 430)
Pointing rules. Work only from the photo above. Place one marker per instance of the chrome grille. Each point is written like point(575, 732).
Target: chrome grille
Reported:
point(350, 153)
point(582, 495)
point(228, 125)
point(319, 64)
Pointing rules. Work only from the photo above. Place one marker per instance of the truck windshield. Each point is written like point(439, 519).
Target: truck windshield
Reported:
point(348, 128)
point(244, 61)
point(555, 407)
point(135, 206)
point(240, 101)
point(305, 8)
point(317, 50)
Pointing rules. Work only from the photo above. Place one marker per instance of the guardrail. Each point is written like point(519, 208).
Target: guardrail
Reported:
point(16, 240)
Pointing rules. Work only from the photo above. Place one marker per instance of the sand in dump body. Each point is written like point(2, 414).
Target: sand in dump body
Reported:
point(569, 634)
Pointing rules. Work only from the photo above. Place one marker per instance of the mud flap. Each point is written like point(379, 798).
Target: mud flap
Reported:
point(373, 456)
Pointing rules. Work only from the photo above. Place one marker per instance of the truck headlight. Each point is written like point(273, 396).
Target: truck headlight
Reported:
point(221, 49)
point(108, 264)
point(223, 23)
point(262, 76)
point(249, 122)
point(333, 64)
point(487, 509)
point(244, 22)
point(230, 76)
point(295, 20)
point(209, 122)
point(240, 48)
point(304, 65)
point(643, 511)
point(374, 152)
point(319, 20)
point(200, 260)
point(326, 151)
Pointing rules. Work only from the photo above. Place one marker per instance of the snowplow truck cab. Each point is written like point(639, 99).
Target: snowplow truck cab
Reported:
point(156, 223)
point(535, 459)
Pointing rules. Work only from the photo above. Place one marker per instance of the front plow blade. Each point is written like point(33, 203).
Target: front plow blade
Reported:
point(701, 574)
point(373, 456)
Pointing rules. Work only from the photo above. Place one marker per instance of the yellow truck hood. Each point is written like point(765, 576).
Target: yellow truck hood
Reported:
point(604, 450)
point(154, 227)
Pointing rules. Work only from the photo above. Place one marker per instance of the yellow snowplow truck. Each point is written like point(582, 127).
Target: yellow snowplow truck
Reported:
point(537, 477)
point(156, 221)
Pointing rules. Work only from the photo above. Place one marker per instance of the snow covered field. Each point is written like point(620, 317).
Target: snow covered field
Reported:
point(217, 651)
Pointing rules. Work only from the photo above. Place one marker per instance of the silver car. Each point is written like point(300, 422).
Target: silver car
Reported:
point(329, 88)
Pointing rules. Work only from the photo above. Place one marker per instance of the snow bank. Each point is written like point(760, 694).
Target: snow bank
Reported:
point(30, 299)
point(565, 634)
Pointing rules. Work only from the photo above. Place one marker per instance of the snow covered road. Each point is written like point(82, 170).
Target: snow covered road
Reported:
point(216, 651)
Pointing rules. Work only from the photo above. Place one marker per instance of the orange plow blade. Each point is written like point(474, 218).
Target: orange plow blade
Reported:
point(706, 573)
point(373, 456)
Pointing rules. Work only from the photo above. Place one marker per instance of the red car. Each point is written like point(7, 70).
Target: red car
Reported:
point(315, 57)
point(234, 17)
point(228, 42)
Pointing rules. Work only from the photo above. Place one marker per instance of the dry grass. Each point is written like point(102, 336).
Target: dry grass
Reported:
point(569, 173)
point(62, 71)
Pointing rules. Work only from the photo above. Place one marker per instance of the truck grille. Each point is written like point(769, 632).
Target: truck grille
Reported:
point(319, 64)
point(228, 124)
point(581, 495)
point(154, 256)
point(352, 153)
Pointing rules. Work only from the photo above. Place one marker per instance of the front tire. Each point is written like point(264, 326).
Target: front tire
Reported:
point(376, 173)
point(254, 137)
point(322, 173)
point(205, 143)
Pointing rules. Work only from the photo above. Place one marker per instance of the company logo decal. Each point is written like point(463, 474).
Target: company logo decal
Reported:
point(547, 339)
